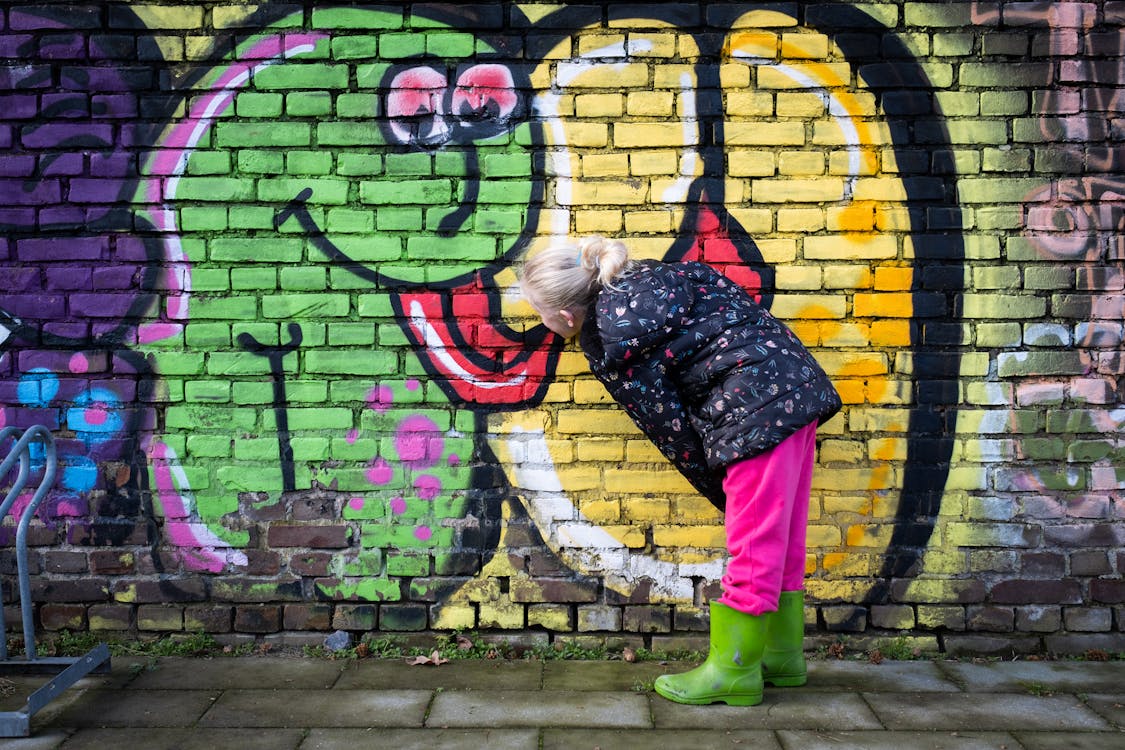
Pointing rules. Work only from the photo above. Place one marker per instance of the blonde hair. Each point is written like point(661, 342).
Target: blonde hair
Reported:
point(569, 276)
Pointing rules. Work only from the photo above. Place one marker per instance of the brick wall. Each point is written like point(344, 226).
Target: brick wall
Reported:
point(259, 281)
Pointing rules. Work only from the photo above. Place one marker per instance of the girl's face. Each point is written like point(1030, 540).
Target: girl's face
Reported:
point(565, 323)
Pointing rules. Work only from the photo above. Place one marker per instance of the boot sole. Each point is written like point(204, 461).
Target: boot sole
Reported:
point(730, 700)
point(785, 681)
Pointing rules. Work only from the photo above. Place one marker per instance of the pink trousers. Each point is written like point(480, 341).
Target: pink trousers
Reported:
point(766, 523)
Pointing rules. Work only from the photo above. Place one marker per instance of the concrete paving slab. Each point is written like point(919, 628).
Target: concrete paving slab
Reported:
point(1071, 740)
point(238, 672)
point(1111, 707)
point(395, 674)
point(1022, 676)
point(422, 739)
point(136, 708)
point(544, 708)
point(194, 738)
point(829, 740)
point(601, 675)
point(792, 708)
point(46, 740)
point(318, 708)
point(664, 739)
point(890, 676)
point(971, 712)
point(15, 689)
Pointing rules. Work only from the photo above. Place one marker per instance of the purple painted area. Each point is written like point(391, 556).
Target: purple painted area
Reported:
point(19, 106)
point(68, 277)
point(62, 248)
point(62, 47)
point(22, 279)
point(70, 17)
point(29, 76)
point(131, 249)
point(19, 193)
point(65, 105)
point(17, 166)
point(51, 134)
point(71, 330)
point(106, 305)
point(15, 45)
point(24, 418)
point(30, 307)
point(114, 106)
point(94, 191)
point(61, 164)
point(63, 216)
point(114, 277)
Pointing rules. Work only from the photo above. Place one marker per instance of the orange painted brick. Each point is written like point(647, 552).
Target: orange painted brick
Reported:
point(883, 305)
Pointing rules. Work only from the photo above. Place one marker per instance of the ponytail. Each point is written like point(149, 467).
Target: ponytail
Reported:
point(569, 276)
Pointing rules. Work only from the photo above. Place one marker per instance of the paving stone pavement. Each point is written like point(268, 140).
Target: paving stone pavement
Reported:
point(304, 703)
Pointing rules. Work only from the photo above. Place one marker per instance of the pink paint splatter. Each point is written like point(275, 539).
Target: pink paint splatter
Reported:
point(412, 384)
point(96, 414)
point(427, 487)
point(398, 506)
point(423, 533)
point(380, 398)
point(417, 443)
point(352, 436)
point(153, 332)
point(380, 472)
point(79, 364)
point(19, 505)
point(453, 460)
point(356, 503)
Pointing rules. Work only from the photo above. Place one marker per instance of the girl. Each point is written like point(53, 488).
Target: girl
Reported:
point(732, 398)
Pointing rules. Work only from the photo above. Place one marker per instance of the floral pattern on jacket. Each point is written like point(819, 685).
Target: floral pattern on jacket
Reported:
point(703, 370)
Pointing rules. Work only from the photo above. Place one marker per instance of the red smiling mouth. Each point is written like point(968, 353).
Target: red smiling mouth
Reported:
point(475, 359)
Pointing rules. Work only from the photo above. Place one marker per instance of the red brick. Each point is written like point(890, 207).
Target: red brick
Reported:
point(355, 617)
point(80, 590)
point(315, 564)
point(148, 591)
point(209, 618)
point(261, 619)
point(110, 617)
point(1036, 592)
point(160, 617)
point(112, 562)
point(65, 562)
point(651, 619)
point(63, 616)
point(307, 616)
point(307, 535)
point(1107, 590)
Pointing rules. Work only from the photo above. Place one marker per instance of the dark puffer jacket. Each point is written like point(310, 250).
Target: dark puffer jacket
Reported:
point(706, 373)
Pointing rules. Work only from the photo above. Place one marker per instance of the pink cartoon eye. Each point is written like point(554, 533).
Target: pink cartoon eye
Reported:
point(485, 92)
point(415, 106)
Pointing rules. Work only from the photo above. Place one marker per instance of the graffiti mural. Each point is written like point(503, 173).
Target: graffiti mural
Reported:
point(262, 285)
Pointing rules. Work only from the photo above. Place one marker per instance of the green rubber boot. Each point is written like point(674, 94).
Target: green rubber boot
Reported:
point(732, 673)
point(783, 661)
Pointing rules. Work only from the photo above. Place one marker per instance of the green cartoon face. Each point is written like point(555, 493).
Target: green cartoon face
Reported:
point(317, 180)
point(372, 145)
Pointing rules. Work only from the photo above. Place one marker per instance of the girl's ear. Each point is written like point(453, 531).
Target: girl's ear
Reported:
point(568, 316)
